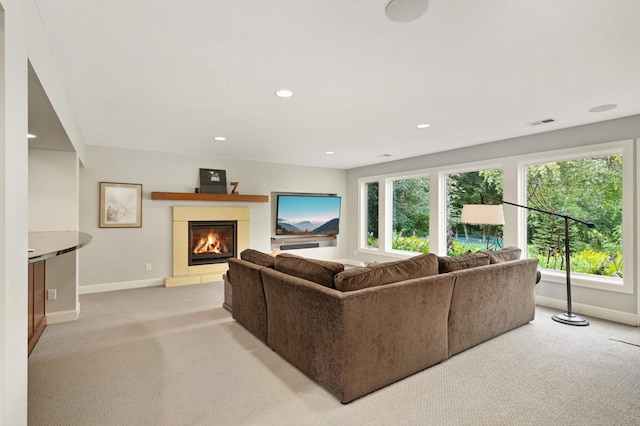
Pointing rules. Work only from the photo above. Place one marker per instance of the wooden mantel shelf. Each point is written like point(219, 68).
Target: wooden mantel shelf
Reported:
point(186, 196)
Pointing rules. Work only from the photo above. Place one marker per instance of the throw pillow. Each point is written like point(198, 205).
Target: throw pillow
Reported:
point(258, 257)
point(384, 273)
point(504, 255)
point(318, 271)
point(456, 263)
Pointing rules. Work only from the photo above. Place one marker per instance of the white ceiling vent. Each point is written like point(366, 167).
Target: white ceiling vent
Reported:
point(545, 121)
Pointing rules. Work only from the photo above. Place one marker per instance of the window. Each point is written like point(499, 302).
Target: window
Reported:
point(411, 215)
point(467, 188)
point(372, 190)
point(588, 189)
point(419, 211)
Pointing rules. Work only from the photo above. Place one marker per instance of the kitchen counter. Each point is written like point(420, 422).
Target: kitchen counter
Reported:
point(49, 244)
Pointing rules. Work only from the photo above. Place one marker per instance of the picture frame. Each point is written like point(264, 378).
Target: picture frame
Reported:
point(213, 181)
point(120, 205)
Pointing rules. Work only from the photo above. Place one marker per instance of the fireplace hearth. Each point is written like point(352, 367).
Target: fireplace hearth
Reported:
point(211, 241)
point(218, 244)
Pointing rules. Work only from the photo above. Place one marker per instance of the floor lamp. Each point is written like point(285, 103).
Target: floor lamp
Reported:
point(476, 212)
point(483, 214)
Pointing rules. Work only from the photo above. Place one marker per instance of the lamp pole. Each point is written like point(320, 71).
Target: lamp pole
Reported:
point(568, 317)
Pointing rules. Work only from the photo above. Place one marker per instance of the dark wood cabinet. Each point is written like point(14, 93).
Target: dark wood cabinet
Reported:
point(37, 299)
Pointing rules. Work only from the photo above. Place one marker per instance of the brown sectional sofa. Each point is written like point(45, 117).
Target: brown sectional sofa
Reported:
point(383, 329)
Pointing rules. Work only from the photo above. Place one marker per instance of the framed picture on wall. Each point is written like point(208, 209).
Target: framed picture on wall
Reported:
point(120, 205)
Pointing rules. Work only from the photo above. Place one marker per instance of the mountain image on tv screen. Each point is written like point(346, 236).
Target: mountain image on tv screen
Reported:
point(307, 215)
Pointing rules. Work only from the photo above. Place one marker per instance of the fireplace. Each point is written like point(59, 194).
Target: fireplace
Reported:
point(217, 221)
point(211, 241)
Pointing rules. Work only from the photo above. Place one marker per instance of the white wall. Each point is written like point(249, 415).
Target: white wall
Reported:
point(53, 191)
point(612, 305)
point(13, 218)
point(22, 39)
point(119, 255)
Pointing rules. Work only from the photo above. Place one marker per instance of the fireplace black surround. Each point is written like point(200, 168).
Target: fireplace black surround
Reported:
point(211, 241)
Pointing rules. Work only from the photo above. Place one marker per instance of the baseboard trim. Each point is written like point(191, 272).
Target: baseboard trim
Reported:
point(589, 310)
point(122, 285)
point(63, 316)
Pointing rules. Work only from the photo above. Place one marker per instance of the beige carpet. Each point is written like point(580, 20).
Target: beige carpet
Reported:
point(159, 356)
point(632, 337)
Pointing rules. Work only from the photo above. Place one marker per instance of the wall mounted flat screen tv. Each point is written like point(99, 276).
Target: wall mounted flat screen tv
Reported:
point(308, 215)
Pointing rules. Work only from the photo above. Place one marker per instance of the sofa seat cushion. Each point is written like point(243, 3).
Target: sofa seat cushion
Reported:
point(318, 271)
point(504, 255)
point(258, 258)
point(465, 261)
point(389, 272)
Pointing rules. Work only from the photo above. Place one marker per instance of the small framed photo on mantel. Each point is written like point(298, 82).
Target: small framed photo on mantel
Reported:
point(120, 205)
point(213, 181)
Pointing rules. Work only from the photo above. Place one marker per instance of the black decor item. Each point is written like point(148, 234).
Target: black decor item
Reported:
point(213, 181)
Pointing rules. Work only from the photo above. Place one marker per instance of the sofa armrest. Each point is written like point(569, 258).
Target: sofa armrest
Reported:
point(353, 343)
point(490, 300)
point(249, 307)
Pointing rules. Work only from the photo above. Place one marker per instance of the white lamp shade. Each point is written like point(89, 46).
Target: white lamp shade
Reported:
point(483, 214)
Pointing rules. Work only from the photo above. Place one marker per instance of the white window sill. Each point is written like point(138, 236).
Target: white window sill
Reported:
point(586, 280)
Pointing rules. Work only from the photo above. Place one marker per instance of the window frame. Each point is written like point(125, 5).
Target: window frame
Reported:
point(363, 209)
point(514, 189)
point(443, 201)
point(389, 209)
point(599, 282)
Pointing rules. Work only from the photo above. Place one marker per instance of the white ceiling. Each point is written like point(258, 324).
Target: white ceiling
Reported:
point(171, 75)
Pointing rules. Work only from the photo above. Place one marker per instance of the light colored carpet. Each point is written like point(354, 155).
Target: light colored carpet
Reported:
point(632, 338)
point(173, 356)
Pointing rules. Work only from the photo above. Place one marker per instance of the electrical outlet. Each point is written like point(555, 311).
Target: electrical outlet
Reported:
point(147, 266)
point(52, 294)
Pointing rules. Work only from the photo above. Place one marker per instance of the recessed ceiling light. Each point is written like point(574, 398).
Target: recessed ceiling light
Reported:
point(220, 138)
point(423, 125)
point(284, 93)
point(30, 136)
point(329, 152)
point(406, 10)
point(602, 108)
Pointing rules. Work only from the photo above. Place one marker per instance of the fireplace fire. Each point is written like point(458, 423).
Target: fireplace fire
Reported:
point(211, 242)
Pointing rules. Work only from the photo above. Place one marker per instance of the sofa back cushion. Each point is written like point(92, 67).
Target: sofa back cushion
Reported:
point(465, 261)
point(390, 272)
point(318, 271)
point(504, 255)
point(258, 258)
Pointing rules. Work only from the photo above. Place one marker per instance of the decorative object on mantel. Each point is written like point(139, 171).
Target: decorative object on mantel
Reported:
point(120, 205)
point(213, 181)
point(234, 189)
